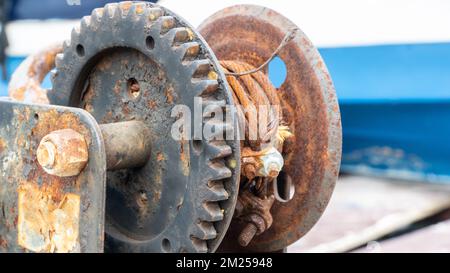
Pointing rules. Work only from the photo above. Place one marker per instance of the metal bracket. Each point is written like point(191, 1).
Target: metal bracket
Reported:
point(42, 212)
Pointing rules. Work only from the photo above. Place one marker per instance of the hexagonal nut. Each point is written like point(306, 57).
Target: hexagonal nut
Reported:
point(271, 163)
point(63, 153)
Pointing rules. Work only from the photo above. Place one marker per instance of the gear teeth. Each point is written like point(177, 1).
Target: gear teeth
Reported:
point(212, 106)
point(53, 73)
point(216, 191)
point(189, 50)
point(132, 13)
point(59, 59)
point(218, 149)
point(139, 8)
point(97, 14)
point(199, 245)
point(218, 171)
point(204, 231)
point(85, 22)
point(205, 87)
point(66, 45)
point(130, 10)
point(211, 212)
point(75, 35)
point(200, 68)
point(204, 81)
point(167, 23)
point(154, 13)
point(221, 129)
point(110, 10)
point(124, 8)
point(180, 35)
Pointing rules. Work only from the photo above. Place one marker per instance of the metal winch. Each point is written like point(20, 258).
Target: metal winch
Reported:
point(92, 165)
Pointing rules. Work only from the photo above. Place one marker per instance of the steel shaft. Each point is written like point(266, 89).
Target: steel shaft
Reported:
point(126, 144)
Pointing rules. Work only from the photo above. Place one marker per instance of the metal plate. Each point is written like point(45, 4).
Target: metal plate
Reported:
point(251, 33)
point(41, 212)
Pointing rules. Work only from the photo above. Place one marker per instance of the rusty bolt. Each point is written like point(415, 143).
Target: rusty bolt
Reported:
point(247, 234)
point(250, 171)
point(271, 163)
point(273, 170)
point(255, 226)
point(63, 153)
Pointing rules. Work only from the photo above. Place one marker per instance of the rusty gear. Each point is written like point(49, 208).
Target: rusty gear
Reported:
point(135, 61)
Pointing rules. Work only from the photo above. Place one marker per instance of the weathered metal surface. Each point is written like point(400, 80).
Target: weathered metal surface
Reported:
point(250, 34)
point(63, 153)
point(42, 212)
point(259, 112)
point(25, 83)
point(255, 214)
point(45, 225)
point(127, 144)
point(136, 61)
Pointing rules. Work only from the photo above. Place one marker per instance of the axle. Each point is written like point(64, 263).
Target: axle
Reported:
point(65, 153)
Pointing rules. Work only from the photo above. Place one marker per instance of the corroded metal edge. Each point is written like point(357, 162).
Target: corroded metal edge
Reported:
point(41, 212)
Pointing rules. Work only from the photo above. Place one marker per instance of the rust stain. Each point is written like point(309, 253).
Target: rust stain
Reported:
point(52, 120)
point(169, 95)
point(142, 205)
point(139, 9)
point(107, 118)
point(105, 64)
point(125, 6)
point(185, 157)
point(63, 153)
point(160, 156)
point(45, 224)
point(152, 104)
point(191, 34)
point(26, 81)
point(212, 75)
point(3, 243)
point(2, 145)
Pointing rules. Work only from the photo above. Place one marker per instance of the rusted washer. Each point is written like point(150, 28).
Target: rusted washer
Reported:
point(312, 157)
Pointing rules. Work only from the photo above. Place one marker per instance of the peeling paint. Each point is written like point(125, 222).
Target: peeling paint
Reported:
point(45, 224)
point(2, 145)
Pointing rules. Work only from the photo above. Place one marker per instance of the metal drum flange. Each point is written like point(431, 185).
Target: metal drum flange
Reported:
point(136, 61)
point(250, 34)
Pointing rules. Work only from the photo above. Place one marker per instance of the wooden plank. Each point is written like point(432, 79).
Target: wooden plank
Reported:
point(365, 209)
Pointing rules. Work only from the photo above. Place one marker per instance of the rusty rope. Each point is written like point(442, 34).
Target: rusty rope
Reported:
point(252, 91)
point(251, 88)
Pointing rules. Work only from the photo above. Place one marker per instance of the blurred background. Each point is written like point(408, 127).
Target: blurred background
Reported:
point(390, 64)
